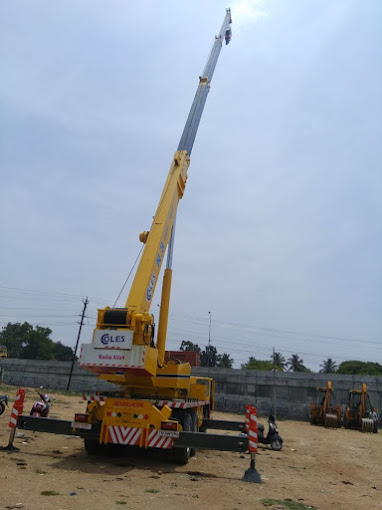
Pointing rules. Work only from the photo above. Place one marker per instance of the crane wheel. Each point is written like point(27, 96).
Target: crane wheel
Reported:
point(92, 446)
point(195, 428)
point(2, 408)
point(181, 453)
point(206, 413)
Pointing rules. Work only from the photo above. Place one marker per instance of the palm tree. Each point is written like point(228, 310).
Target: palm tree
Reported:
point(328, 366)
point(295, 363)
point(278, 360)
point(186, 345)
point(225, 361)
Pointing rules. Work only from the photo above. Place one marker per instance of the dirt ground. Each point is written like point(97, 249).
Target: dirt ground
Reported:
point(317, 468)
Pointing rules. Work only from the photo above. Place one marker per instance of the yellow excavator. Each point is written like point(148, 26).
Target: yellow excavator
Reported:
point(359, 413)
point(322, 411)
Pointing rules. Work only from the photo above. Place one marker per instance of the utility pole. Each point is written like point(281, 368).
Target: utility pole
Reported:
point(209, 332)
point(85, 302)
point(274, 383)
point(209, 341)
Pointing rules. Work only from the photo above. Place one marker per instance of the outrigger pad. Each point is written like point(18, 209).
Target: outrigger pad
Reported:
point(252, 475)
point(9, 448)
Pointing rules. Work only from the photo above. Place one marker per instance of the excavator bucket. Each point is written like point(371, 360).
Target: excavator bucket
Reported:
point(331, 420)
point(367, 425)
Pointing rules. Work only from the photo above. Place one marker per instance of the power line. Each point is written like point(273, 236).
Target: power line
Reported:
point(48, 293)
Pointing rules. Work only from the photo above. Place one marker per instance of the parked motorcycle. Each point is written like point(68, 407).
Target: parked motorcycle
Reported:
point(273, 438)
point(41, 407)
point(3, 402)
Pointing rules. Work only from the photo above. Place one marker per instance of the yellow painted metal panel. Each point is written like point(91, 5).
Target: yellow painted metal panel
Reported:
point(146, 277)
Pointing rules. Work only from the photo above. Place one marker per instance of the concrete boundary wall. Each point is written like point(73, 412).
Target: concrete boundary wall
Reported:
point(293, 391)
point(51, 375)
point(234, 388)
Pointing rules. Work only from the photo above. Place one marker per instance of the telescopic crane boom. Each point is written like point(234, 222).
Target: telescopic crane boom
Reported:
point(131, 329)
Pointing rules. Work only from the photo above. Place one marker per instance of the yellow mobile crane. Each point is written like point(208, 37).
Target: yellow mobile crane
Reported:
point(158, 399)
point(158, 404)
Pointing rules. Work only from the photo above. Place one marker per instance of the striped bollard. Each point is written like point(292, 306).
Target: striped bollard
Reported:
point(247, 412)
point(252, 475)
point(17, 410)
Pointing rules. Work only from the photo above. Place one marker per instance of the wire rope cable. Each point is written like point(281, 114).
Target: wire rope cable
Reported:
point(128, 276)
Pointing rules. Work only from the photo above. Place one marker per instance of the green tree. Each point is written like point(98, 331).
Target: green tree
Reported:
point(26, 342)
point(38, 345)
point(186, 345)
point(328, 366)
point(209, 357)
point(62, 352)
point(278, 361)
point(360, 367)
point(225, 361)
point(296, 364)
point(14, 336)
point(257, 364)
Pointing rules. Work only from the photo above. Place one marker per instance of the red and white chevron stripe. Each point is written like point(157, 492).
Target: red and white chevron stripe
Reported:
point(252, 429)
point(173, 404)
point(125, 435)
point(132, 436)
point(17, 407)
point(179, 404)
point(158, 441)
point(13, 419)
point(95, 398)
point(247, 410)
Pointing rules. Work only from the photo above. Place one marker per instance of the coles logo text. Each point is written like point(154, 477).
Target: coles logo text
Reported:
point(111, 339)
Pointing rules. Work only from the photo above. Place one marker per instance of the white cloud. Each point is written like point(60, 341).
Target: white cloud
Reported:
point(246, 12)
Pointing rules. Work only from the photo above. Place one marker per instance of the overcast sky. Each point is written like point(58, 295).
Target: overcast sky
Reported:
point(279, 231)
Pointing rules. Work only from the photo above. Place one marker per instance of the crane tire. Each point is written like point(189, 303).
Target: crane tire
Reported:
point(183, 453)
point(2, 408)
point(92, 446)
point(195, 428)
point(205, 415)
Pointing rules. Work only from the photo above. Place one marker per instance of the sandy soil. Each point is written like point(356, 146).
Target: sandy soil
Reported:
point(325, 469)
